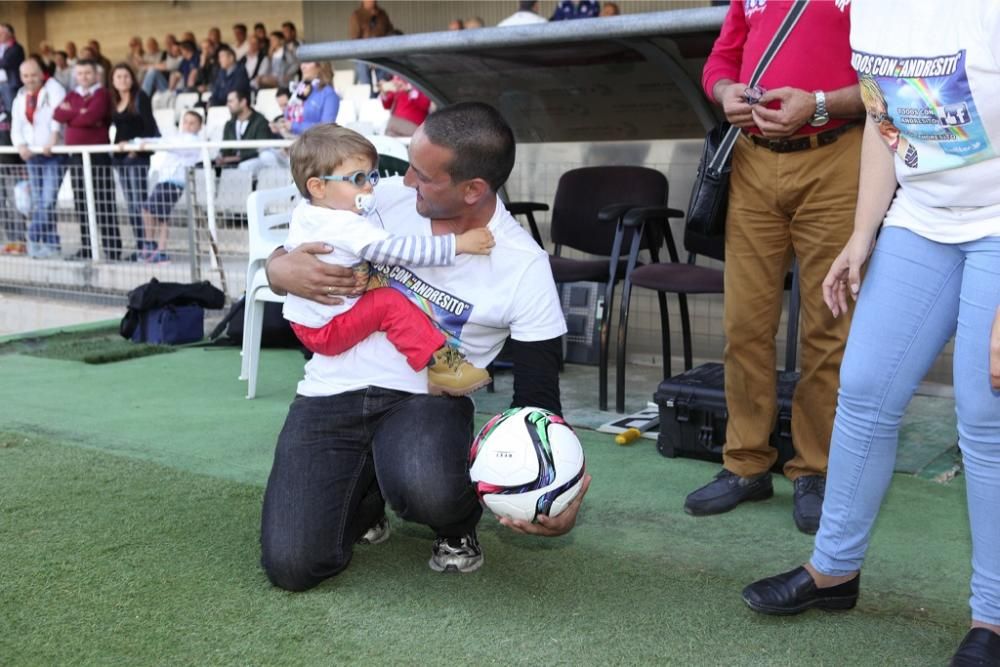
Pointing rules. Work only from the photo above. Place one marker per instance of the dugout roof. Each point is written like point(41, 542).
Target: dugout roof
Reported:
point(622, 78)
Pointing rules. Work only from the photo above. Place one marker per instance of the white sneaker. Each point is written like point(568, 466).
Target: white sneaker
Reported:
point(377, 534)
point(456, 554)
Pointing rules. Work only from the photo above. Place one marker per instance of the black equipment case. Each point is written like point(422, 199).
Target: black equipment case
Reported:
point(693, 412)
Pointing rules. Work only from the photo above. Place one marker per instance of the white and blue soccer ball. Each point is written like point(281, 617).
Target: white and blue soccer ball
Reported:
point(525, 462)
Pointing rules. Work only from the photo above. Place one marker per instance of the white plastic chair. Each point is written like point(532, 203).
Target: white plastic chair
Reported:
point(217, 117)
point(266, 232)
point(346, 114)
point(269, 178)
point(390, 146)
point(266, 103)
point(165, 122)
point(183, 102)
point(235, 186)
point(371, 111)
point(343, 79)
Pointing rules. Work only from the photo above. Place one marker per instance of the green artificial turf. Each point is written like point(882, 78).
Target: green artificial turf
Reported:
point(113, 560)
point(92, 345)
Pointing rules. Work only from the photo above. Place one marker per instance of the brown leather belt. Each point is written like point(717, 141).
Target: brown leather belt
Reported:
point(802, 143)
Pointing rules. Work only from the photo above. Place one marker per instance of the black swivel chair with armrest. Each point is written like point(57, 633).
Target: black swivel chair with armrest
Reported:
point(673, 276)
point(587, 216)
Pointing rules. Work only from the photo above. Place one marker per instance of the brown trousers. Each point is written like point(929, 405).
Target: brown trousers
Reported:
point(781, 204)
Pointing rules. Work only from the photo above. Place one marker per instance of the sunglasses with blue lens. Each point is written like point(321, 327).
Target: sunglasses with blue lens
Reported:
point(358, 178)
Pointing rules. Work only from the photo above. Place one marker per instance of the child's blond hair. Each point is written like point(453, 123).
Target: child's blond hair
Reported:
point(322, 148)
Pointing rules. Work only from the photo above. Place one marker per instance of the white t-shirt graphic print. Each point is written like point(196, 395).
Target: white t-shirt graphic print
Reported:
point(932, 85)
point(475, 302)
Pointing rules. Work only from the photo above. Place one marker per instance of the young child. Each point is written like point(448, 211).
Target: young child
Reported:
point(334, 169)
point(171, 176)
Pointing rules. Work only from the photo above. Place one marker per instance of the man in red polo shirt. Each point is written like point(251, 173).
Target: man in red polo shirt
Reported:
point(86, 116)
point(793, 191)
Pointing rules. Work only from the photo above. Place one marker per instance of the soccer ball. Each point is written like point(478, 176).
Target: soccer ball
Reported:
point(526, 462)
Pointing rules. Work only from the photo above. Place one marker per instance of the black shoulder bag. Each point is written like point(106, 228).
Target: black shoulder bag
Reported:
point(706, 215)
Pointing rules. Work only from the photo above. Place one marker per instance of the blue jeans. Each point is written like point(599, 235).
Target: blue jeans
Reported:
point(337, 458)
point(154, 81)
point(45, 175)
point(915, 296)
point(133, 173)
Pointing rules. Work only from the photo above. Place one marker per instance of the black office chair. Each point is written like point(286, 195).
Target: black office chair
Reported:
point(587, 216)
point(673, 276)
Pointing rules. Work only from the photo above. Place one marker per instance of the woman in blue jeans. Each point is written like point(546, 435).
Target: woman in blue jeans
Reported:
point(933, 273)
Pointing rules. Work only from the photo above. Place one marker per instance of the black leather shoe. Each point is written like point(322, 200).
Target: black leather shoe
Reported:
point(980, 647)
point(809, 491)
point(727, 491)
point(794, 592)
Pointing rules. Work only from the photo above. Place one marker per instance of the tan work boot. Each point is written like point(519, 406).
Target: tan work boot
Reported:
point(449, 373)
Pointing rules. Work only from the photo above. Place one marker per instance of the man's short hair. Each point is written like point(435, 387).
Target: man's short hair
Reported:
point(280, 35)
point(526, 5)
point(479, 137)
point(225, 48)
point(322, 148)
point(289, 24)
point(87, 62)
point(192, 112)
point(282, 91)
point(188, 45)
point(259, 25)
point(240, 26)
point(241, 93)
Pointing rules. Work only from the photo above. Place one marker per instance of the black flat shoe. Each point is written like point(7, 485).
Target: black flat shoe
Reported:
point(794, 592)
point(980, 647)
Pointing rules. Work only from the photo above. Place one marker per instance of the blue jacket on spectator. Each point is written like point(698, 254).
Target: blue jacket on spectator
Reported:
point(227, 82)
point(321, 106)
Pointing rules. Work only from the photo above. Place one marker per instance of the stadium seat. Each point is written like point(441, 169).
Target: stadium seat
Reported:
point(269, 178)
point(235, 186)
point(371, 111)
point(266, 104)
point(347, 113)
point(165, 122)
point(183, 102)
point(342, 80)
point(267, 230)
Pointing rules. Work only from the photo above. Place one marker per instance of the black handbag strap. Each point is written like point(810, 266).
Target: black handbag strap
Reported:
point(721, 156)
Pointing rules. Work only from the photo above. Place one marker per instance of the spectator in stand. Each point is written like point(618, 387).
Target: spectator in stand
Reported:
point(10, 217)
point(33, 126)
point(575, 9)
point(11, 57)
point(171, 178)
point(260, 32)
point(245, 125)
point(105, 64)
point(208, 67)
point(46, 53)
point(456, 24)
point(240, 45)
point(70, 49)
point(136, 54)
point(163, 75)
point(284, 64)
point(64, 71)
point(526, 14)
point(231, 76)
point(188, 36)
point(609, 9)
point(473, 22)
point(132, 117)
point(313, 101)
point(408, 106)
point(87, 53)
point(291, 35)
point(281, 97)
point(187, 70)
point(255, 62)
point(86, 115)
point(368, 20)
point(215, 36)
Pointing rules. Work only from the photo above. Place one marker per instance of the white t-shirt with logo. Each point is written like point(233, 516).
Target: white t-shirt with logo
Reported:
point(930, 77)
point(475, 303)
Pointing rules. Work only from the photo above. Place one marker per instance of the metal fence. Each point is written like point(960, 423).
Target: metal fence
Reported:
point(89, 222)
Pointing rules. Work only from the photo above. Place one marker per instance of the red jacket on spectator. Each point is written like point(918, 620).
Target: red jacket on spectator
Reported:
point(411, 105)
point(86, 119)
